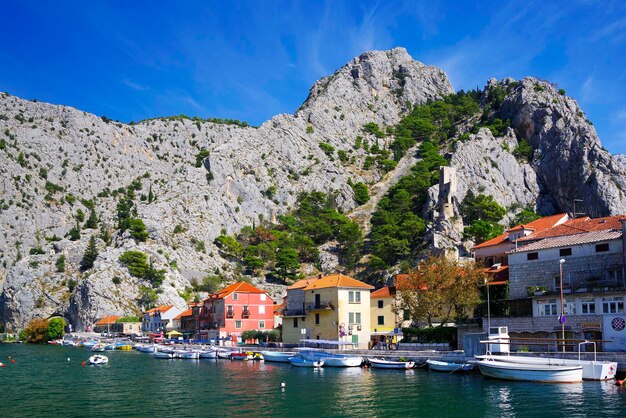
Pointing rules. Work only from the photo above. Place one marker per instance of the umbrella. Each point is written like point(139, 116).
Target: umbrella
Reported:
point(174, 333)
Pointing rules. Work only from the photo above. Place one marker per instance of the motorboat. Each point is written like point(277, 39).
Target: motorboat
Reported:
point(240, 356)
point(301, 362)
point(97, 348)
point(278, 356)
point(187, 354)
point(163, 355)
point(449, 366)
point(332, 359)
point(541, 373)
point(145, 348)
point(98, 360)
point(224, 354)
point(210, 354)
point(381, 363)
point(592, 369)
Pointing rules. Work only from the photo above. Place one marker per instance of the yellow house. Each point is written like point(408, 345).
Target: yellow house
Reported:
point(334, 307)
point(381, 302)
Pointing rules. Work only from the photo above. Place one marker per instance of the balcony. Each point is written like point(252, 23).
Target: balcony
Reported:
point(322, 306)
point(245, 314)
point(293, 312)
point(230, 314)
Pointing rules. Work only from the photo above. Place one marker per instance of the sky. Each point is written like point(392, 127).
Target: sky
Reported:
point(251, 60)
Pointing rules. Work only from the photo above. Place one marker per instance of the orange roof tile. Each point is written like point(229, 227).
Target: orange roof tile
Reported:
point(108, 320)
point(537, 226)
point(302, 283)
point(243, 287)
point(160, 309)
point(383, 292)
point(578, 226)
point(337, 280)
point(278, 308)
point(188, 312)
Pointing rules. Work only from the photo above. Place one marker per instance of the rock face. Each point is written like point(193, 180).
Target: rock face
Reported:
point(193, 179)
point(53, 157)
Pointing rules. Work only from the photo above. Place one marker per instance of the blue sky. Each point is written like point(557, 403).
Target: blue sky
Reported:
point(250, 60)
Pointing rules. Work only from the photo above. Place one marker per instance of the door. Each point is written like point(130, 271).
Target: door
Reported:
point(355, 340)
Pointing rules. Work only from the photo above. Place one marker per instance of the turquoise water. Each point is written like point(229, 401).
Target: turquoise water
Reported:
point(43, 383)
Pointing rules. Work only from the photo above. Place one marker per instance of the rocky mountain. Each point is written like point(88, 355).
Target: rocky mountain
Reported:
point(191, 180)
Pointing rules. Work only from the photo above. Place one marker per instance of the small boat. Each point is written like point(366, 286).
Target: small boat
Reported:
point(381, 363)
point(146, 348)
point(56, 342)
point(278, 356)
point(349, 361)
point(592, 369)
point(210, 354)
point(448, 366)
point(109, 347)
point(300, 362)
point(97, 348)
point(541, 373)
point(98, 360)
point(224, 354)
point(240, 356)
point(124, 346)
point(89, 344)
point(163, 355)
point(187, 354)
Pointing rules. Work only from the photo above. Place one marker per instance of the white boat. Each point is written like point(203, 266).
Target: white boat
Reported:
point(187, 354)
point(146, 348)
point(349, 361)
point(592, 369)
point(224, 354)
point(381, 363)
point(211, 354)
point(300, 362)
point(278, 356)
point(163, 355)
point(97, 348)
point(448, 366)
point(98, 360)
point(541, 373)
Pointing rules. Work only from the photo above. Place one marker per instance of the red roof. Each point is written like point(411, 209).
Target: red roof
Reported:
point(188, 312)
point(159, 309)
point(302, 283)
point(536, 226)
point(108, 320)
point(383, 292)
point(578, 226)
point(337, 280)
point(242, 287)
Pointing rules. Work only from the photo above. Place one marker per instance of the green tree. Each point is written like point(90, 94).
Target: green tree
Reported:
point(440, 288)
point(60, 263)
point(361, 193)
point(136, 261)
point(55, 329)
point(147, 297)
point(90, 255)
point(481, 207)
point(137, 229)
point(524, 217)
point(74, 233)
point(92, 221)
point(287, 264)
point(154, 275)
point(350, 240)
point(36, 331)
point(481, 231)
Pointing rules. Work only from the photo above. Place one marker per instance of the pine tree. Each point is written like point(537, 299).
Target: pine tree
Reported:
point(92, 221)
point(74, 233)
point(151, 196)
point(91, 253)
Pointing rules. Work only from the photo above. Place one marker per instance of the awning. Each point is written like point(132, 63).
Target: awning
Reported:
point(174, 332)
point(389, 333)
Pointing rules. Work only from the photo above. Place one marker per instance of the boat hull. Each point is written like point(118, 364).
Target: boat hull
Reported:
point(162, 355)
point(445, 366)
point(306, 363)
point(343, 361)
point(592, 370)
point(386, 364)
point(539, 373)
point(277, 356)
point(210, 354)
point(98, 360)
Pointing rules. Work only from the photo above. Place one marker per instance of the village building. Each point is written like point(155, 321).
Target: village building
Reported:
point(331, 308)
point(159, 319)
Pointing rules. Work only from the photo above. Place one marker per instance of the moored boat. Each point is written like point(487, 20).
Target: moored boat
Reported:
point(210, 354)
point(224, 354)
point(592, 369)
point(348, 361)
point(278, 356)
point(448, 366)
point(98, 360)
point(540, 373)
point(145, 348)
point(300, 362)
point(163, 355)
point(187, 354)
point(381, 363)
point(240, 356)
point(97, 348)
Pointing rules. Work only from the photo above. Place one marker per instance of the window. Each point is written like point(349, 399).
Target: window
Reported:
point(381, 320)
point(262, 309)
point(357, 318)
point(295, 322)
point(588, 306)
point(602, 248)
point(532, 256)
point(354, 297)
point(237, 324)
point(615, 275)
point(380, 304)
point(569, 307)
point(263, 297)
point(351, 318)
point(229, 310)
point(235, 296)
point(261, 324)
point(406, 315)
point(547, 307)
point(564, 252)
point(317, 319)
point(613, 305)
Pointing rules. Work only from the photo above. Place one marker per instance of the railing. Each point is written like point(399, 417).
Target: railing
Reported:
point(293, 312)
point(229, 314)
point(320, 306)
point(245, 314)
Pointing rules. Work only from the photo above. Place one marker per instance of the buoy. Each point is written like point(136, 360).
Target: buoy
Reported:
point(2, 365)
point(68, 359)
point(282, 385)
point(13, 360)
point(82, 364)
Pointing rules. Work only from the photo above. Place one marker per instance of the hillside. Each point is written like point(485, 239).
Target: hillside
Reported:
point(190, 181)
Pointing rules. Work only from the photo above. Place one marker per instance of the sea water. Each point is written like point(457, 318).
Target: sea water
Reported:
point(43, 383)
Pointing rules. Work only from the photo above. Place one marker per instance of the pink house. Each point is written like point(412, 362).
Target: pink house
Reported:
point(234, 309)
